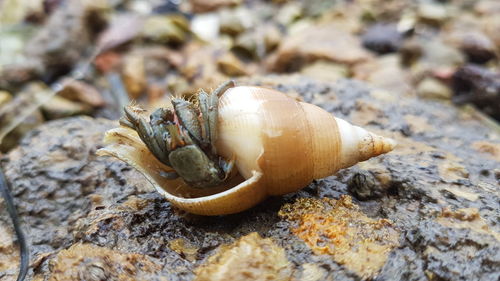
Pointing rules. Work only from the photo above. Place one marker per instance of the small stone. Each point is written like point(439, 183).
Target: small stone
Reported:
point(230, 65)
point(436, 57)
point(326, 71)
point(15, 11)
point(324, 42)
point(134, 75)
point(5, 97)
point(80, 91)
point(20, 115)
point(431, 88)
point(434, 14)
point(384, 73)
point(256, 43)
point(206, 26)
point(478, 47)
point(410, 51)
point(232, 22)
point(59, 107)
point(122, 29)
point(365, 186)
point(479, 86)
point(203, 6)
point(289, 13)
point(165, 29)
point(382, 38)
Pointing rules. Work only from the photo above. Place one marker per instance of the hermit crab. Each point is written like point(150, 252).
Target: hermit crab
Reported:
point(232, 148)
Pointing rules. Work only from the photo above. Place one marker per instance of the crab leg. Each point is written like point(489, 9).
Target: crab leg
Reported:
point(213, 111)
point(203, 103)
point(188, 117)
point(147, 134)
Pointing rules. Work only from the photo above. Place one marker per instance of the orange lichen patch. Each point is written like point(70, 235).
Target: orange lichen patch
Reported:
point(184, 248)
point(340, 229)
point(250, 258)
point(418, 124)
point(9, 253)
point(491, 150)
point(90, 262)
point(466, 218)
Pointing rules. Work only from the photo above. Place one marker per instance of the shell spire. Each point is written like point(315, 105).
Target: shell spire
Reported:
point(359, 144)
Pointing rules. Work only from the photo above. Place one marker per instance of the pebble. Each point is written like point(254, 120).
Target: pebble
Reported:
point(382, 38)
point(431, 88)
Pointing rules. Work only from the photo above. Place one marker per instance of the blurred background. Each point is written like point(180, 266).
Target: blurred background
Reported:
point(429, 73)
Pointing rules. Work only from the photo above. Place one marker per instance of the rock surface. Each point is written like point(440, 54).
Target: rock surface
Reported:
point(426, 211)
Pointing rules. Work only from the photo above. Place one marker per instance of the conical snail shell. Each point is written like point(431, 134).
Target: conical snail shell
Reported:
point(280, 146)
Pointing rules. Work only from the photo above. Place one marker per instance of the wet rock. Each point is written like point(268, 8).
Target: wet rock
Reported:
point(431, 88)
point(67, 196)
point(382, 38)
point(479, 86)
point(440, 239)
point(403, 264)
point(326, 42)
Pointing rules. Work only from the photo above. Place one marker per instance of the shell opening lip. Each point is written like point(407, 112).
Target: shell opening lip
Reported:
point(256, 176)
point(125, 144)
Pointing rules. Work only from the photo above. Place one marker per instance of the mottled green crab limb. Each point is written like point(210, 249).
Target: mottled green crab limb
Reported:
point(154, 136)
point(184, 138)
